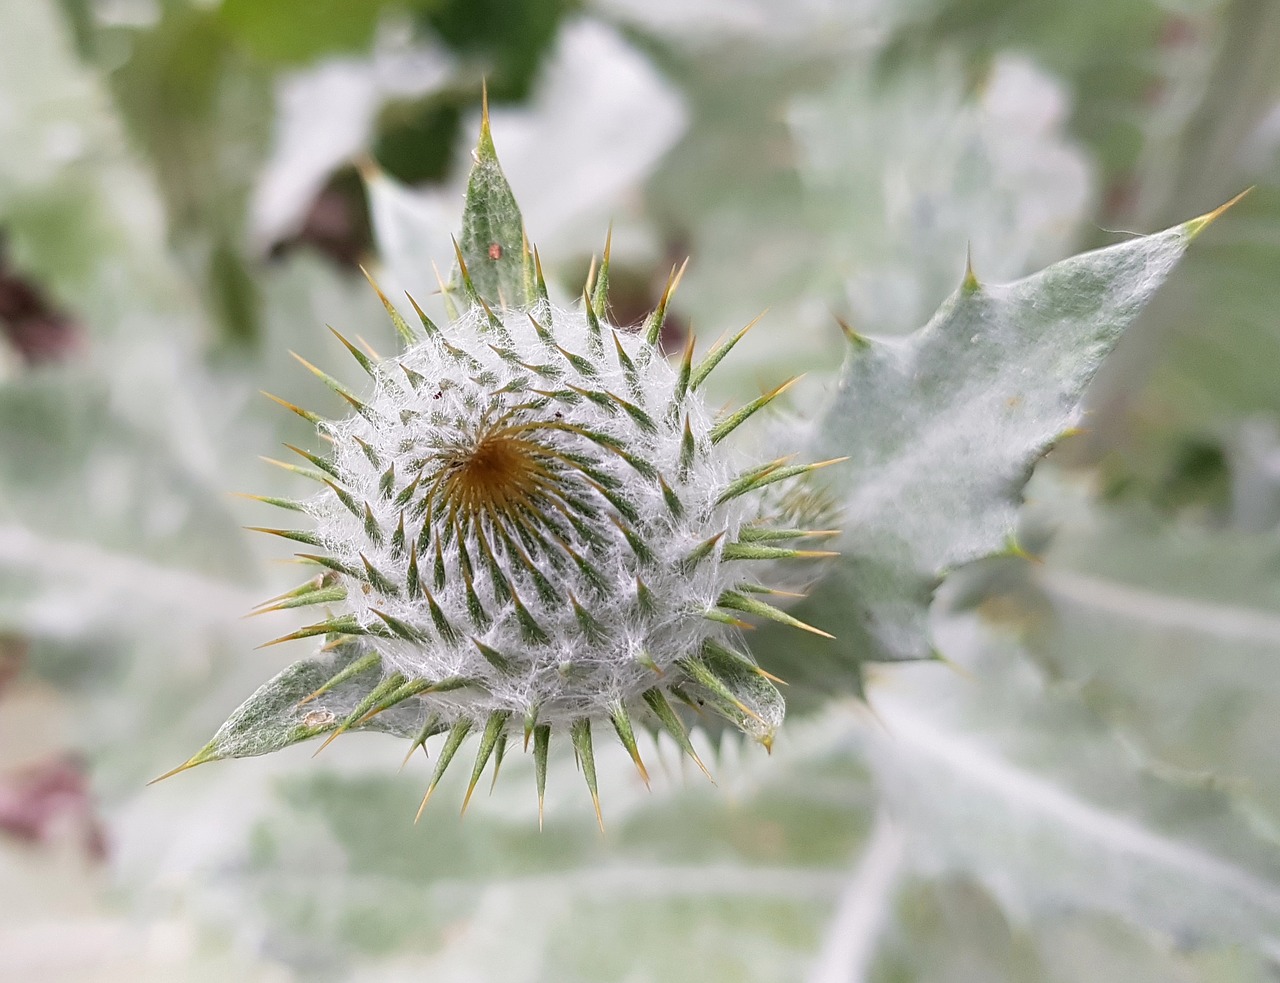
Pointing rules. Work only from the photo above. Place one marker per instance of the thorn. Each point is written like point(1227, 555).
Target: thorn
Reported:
point(428, 728)
point(305, 472)
point(401, 325)
point(970, 282)
point(346, 625)
point(653, 326)
point(667, 717)
point(749, 605)
point(853, 337)
point(493, 729)
point(731, 423)
point(457, 734)
point(368, 168)
point(468, 287)
point(1013, 548)
point(331, 382)
point(450, 307)
point(294, 535)
point(1197, 225)
point(580, 735)
point(541, 743)
point(356, 353)
point(778, 679)
point(599, 297)
point(280, 503)
point(540, 281)
point(353, 669)
point(305, 414)
point(622, 724)
point(485, 149)
point(720, 350)
point(368, 348)
point(189, 763)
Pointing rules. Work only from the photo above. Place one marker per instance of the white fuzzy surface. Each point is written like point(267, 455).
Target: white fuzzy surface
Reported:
point(570, 676)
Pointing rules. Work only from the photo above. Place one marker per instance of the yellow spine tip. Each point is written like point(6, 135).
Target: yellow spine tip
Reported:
point(1197, 225)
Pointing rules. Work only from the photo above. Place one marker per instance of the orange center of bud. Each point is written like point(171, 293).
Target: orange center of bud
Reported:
point(497, 475)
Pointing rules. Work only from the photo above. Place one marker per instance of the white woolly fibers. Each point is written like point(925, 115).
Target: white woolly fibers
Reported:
point(609, 434)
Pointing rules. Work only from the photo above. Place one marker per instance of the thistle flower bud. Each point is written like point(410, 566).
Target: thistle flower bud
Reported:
point(531, 525)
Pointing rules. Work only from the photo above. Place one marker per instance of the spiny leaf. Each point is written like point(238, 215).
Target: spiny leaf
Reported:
point(301, 702)
point(942, 429)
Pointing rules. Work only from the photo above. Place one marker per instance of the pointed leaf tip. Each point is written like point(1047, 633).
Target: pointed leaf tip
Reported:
point(850, 334)
point(485, 150)
point(970, 282)
point(1197, 225)
point(199, 758)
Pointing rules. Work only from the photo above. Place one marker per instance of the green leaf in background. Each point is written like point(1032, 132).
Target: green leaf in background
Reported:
point(1108, 53)
point(925, 161)
point(1199, 363)
point(942, 429)
point(1171, 631)
point(1003, 773)
point(200, 110)
point(290, 31)
point(328, 864)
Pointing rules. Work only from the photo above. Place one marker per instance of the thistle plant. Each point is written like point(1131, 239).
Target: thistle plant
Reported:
point(531, 525)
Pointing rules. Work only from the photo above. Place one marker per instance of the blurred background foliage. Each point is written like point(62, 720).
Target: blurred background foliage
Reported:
point(1087, 791)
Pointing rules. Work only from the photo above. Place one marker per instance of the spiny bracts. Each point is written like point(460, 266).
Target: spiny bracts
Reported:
point(530, 525)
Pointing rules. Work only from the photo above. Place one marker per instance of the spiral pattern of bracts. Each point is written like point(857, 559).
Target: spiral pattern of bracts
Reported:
point(532, 524)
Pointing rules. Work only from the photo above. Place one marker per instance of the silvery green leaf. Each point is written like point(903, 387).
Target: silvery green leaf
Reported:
point(913, 167)
point(942, 429)
point(684, 884)
point(996, 771)
point(1171, 630)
